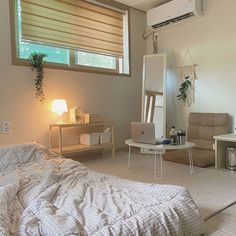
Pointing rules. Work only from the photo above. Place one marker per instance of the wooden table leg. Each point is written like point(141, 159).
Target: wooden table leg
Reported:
point(50, 138)
point(60, 140)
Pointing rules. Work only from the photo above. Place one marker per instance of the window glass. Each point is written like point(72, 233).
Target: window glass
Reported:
point(54, 54)
point(95, 60)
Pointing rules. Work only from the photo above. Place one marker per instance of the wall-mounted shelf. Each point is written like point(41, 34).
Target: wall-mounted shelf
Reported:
point(80, 148)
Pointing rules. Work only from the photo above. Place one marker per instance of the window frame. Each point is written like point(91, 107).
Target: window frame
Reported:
point(72, 66)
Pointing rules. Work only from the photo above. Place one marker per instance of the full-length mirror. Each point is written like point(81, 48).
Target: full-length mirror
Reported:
point(154, 92)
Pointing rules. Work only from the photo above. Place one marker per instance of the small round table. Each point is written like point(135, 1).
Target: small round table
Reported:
point(160, 149)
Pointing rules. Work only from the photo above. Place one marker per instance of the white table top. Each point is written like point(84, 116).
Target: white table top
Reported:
point(226, 137)
point(187, 145)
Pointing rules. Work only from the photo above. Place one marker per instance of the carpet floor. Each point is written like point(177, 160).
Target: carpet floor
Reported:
point(212, 190)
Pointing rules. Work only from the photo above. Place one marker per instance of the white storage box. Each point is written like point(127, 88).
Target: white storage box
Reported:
point(105, 137)
point(89, 139)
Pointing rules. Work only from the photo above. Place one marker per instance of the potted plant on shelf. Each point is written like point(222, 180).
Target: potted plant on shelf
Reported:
point(36, 60)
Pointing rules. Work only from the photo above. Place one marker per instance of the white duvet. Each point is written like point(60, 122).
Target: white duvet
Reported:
point(41, 194)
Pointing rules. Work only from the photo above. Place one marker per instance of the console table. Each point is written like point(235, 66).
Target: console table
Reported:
point(78, 148)
point(160, 150)
point(221, 143)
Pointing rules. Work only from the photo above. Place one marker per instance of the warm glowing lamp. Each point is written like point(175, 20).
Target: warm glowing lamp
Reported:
point(59, 106)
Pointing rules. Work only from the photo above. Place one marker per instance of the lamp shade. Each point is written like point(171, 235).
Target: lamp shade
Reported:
point(59, 106)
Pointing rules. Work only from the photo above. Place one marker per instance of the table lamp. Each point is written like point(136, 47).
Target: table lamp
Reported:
point(59, 106)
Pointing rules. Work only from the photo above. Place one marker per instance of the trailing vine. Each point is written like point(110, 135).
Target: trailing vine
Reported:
point(184, 88)
point(37, 61)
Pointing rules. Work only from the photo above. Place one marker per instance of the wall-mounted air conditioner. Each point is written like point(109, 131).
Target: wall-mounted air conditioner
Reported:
point(173, 11)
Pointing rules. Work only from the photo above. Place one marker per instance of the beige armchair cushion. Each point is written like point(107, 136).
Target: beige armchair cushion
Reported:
point(201, 158)
point(201, 129)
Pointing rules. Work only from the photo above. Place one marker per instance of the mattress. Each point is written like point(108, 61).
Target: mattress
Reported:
point(45, 194)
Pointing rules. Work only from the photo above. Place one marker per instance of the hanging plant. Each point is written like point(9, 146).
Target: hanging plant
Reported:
point(184, 89)
point(37, 61)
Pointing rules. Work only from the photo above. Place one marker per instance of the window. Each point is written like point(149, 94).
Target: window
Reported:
point(75, 34)
point(96, 60)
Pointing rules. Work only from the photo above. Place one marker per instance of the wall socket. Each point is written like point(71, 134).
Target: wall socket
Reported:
point(6, 127)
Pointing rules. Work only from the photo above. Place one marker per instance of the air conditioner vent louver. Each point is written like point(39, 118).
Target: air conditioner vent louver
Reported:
point(173, 20)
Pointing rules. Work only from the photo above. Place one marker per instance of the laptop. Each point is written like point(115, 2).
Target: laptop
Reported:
point(144, 133)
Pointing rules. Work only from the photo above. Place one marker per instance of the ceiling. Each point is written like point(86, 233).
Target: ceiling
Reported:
point(143, 5)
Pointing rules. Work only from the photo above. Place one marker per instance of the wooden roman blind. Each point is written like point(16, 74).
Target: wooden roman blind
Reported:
point(73, 24)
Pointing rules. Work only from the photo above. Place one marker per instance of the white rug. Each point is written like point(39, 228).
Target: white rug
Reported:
point(211, 189)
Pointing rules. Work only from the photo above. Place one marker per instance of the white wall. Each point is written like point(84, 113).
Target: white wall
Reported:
point(118, 98)
point(212, 43)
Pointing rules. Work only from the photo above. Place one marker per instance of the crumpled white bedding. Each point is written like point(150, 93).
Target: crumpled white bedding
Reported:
point(42, 194)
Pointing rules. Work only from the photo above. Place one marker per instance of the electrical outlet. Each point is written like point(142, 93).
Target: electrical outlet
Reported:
point(6, 127)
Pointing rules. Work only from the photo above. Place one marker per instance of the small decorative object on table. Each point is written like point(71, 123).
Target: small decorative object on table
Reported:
point(74, 114)
point(93, 118)
point(181, 137)
point(166, 141)
point(173, 136)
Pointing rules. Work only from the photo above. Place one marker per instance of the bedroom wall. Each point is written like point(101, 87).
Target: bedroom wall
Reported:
point(211, 40)
point(118, 98)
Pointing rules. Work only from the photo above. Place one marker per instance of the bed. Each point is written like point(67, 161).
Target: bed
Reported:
point(44, 194)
